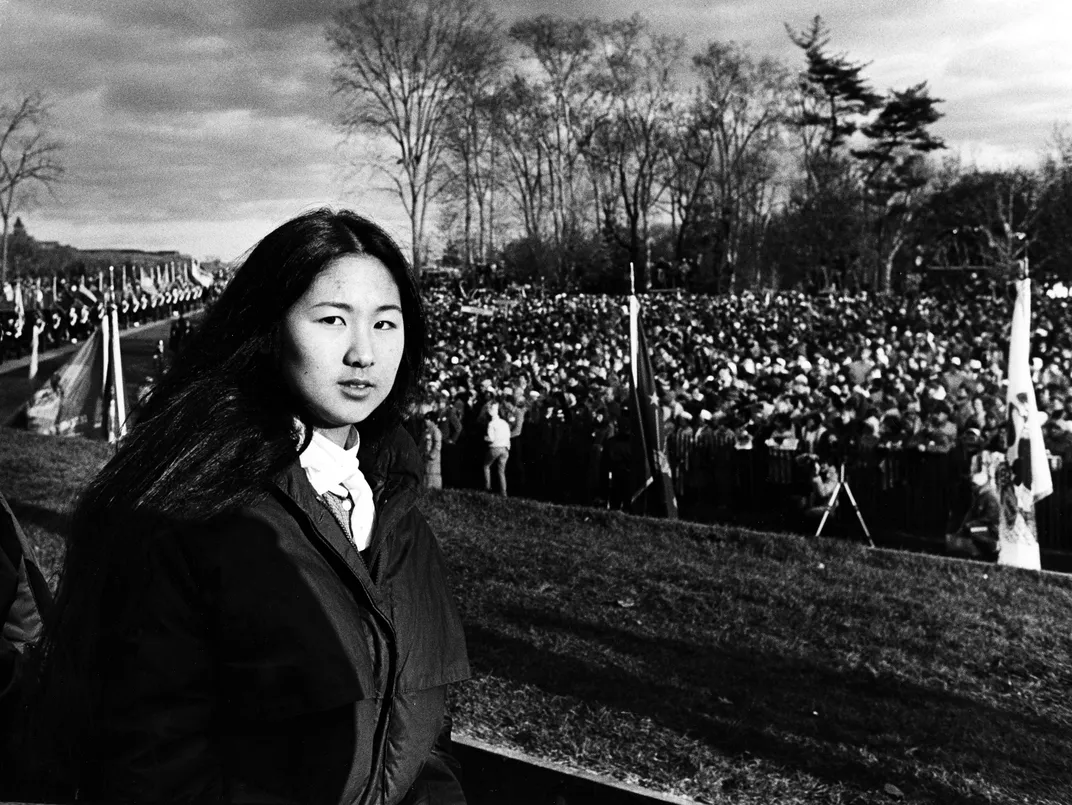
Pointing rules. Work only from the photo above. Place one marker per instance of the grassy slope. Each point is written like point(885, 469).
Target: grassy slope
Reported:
point(726, 665)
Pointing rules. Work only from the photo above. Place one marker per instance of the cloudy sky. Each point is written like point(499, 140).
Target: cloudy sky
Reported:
point(199, 125)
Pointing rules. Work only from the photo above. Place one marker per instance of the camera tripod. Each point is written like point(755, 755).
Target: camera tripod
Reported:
point(843, 484)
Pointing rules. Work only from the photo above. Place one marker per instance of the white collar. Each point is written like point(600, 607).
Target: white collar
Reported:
point(331, 468)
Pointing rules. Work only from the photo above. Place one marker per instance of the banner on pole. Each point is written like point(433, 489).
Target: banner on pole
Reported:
point(1027, 478)
point(651, 480)
point(116, 425)
point(201, 277)
point(69, 404)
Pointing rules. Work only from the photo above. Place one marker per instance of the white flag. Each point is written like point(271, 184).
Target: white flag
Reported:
point(1029, 468)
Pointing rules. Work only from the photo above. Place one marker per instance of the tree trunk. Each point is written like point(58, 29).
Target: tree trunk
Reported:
point(414, 229)
point(3, 249)
point(468, 217)
point(489, 254)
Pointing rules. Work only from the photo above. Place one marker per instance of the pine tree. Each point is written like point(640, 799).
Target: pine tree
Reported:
point(836, 97)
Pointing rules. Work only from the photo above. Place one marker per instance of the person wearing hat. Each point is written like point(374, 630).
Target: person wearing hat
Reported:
point(977, 535)
point(943, 430)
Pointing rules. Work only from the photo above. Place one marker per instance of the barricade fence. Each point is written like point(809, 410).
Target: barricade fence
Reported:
point(915, 493)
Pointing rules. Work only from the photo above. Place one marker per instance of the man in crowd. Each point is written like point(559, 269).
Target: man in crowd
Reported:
point(498, 447)
point(977, 535)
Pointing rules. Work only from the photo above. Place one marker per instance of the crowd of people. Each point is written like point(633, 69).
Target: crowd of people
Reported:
point(821, 377)
point(73, 315)
point(527, 390)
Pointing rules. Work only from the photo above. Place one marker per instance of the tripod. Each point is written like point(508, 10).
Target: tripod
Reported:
point(843, 484)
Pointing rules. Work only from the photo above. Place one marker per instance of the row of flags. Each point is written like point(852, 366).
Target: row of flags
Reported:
point(151, 280)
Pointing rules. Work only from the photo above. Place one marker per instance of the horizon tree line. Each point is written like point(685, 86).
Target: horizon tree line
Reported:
point(571, 148)
point(567, 149)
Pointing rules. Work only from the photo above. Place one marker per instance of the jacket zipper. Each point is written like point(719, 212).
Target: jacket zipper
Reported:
point(379, 753)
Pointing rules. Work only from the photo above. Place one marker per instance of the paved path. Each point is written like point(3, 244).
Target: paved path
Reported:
point(138, 345)
point(156, 331)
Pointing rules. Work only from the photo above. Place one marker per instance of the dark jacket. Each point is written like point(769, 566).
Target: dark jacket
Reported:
point(24, 600)
point(271, 662)
point(982, 522)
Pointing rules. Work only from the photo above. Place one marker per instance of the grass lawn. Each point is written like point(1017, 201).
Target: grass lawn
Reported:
point(725, 665)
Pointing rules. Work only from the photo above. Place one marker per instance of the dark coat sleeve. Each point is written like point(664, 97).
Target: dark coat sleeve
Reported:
point(154, 730)
point(24, 601)
point(439, 780)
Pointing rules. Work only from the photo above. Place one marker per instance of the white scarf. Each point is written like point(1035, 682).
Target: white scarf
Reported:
point(335, 470)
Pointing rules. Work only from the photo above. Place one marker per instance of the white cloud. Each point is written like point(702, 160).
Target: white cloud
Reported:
point(200, 124)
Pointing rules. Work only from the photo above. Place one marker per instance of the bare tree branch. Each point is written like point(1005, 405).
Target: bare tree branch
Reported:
point(400, 67)
point(28, 159)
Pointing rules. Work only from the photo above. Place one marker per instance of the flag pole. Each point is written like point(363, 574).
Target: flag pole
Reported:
point(118, 390)
point(35, 348)
point(634, 315)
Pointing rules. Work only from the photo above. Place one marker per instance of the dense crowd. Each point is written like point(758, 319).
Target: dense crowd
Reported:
point(821, 376)
point(73, 316)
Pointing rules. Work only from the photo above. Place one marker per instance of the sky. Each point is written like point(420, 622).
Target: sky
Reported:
point(200, 125)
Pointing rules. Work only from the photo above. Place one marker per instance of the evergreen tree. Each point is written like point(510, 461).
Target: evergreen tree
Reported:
point(895, 170)
point(835, 95)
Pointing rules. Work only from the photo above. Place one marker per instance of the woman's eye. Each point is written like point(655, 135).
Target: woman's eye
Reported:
point(332, 320)
point(386, 324)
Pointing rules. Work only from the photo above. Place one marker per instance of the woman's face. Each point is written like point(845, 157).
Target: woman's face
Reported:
point(342, 343)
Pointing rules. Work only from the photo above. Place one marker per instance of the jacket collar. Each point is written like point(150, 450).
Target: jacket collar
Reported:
point(392, 468)
point(393, 460)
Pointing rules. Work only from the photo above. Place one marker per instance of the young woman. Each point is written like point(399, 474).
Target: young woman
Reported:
point(252, 609)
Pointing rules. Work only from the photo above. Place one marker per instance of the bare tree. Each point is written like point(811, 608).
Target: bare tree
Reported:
point(400, 66)
point(630, 143)
point(470, 137)
point(566, 52)
point(525, 118)
point(28, 159)
point(734, 144)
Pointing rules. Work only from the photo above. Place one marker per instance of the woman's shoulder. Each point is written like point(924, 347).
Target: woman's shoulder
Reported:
point(395, 452)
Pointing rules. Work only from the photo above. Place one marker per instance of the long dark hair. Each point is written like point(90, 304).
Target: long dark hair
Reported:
point(216, 429)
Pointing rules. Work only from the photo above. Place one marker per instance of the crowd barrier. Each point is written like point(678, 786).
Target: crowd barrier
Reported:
point(905, 492)
point(919, 493)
